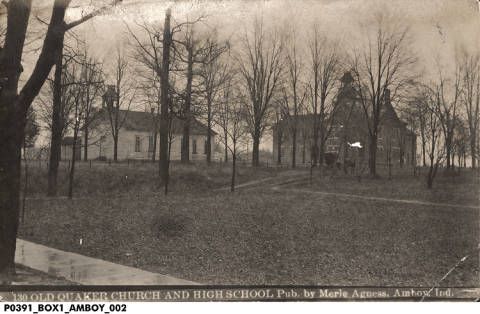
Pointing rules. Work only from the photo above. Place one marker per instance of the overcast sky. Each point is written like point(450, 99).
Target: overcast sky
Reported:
point(438, 27)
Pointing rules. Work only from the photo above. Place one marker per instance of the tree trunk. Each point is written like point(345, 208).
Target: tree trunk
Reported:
point(424, 154)
point(57, 129)
point(294, 147)
point(72, 165)
point(279, 147)
point(321, 154)
point(209, 125)
point(453, 160)
point(432, 172)
point(155, 132)
point(389, 161)
point(85, 144)
point(225, 135)
point(402, 152)
point(12, 128)
point(115, 146)
point(234, 165)
point(473, 150)
point(315, 147)
point(209, 137)
point(372, 160)
point(25, 178)
point(13, 112)
point(185, 153)
point(167, 177)
point(304, 149)
point(10, 162)
point(459, 160)
point(256, 149)
point(430, 177)
point(448, 153)
point(164, 108)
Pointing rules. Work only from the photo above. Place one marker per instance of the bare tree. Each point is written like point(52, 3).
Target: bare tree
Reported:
point(56, 138)
point(325, 70)
point(78, 113)
point(213, 73)
point(62, 105)
point(44, 103)
point(278, 128)
point(149, 89)
point(471, 100)
point(87, 83)
point(92, 83)
point(293, 92)
point(149, 53)
point(159, 53)
point(118, 99)
point(223, 118)
point(165, 100)
point(383, 64)
point(433, 128)
point(447, 109)
point(260, 63)
point(460, 144)
point(414, 113)
point(233, 122)
point(14, 106)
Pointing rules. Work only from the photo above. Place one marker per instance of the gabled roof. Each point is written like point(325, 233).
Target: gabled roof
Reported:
point(143, 122)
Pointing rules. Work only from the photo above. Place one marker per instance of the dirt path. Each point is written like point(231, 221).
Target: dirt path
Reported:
point(375, 198)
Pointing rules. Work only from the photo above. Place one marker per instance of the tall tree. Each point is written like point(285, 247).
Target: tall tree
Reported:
point(78, 112)
point(213, 74)
point(44, 102)
point(471, 100)
point(149, 51)
point(86, 83)
point(148, 54)
point(325, 70)
point(56, 138)
point(414, 113)
point(150, 92)
point(92, 85)
point(233, 122)
point(56, 134)
point(383, 63)
point(292, 92)
point(433, 127)
point(223, 111)
point(449, 92)
point(14, 106)
point(260, 64)
point(118, 99)
point(165, 100)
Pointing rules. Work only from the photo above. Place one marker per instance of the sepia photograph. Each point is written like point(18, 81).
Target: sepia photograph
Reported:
point(238, 150)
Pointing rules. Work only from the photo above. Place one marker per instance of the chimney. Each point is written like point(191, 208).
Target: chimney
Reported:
point(347, 78)
point(110, 96)
point(386, 96)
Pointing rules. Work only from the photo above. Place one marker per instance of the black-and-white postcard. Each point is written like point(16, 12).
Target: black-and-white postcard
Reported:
point(238, 150)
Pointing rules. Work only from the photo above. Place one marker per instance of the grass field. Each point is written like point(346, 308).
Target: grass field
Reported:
point(260, 235)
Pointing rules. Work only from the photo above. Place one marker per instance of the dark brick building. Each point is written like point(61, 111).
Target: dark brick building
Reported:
point(396, 143)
